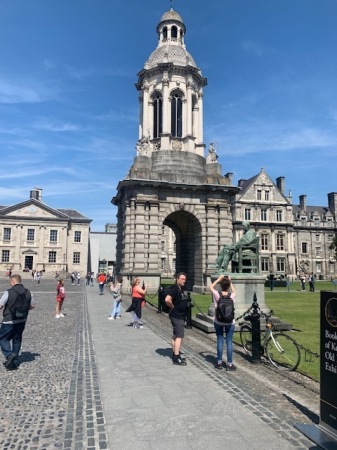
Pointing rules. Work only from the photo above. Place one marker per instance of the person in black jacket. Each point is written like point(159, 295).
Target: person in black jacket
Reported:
point(177, 301)
point(12, 328)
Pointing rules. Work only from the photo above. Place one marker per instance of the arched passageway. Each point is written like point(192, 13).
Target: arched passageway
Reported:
point(187, 230)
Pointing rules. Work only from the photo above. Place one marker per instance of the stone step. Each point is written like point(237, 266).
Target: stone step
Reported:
point(205, 323)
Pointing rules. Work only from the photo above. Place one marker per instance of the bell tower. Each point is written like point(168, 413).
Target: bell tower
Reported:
point(170, 182)
point(171, 92)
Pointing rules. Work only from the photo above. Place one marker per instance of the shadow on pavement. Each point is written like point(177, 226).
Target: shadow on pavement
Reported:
point(166, 352)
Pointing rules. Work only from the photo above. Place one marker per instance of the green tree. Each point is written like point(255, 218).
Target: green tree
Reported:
point(333, 246)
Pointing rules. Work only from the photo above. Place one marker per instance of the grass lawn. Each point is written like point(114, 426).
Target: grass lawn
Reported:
point(301, 309)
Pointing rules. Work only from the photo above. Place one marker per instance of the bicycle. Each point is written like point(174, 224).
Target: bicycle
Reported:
point(281, 350)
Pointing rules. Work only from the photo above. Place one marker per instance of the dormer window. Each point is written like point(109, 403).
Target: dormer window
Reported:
point(266, 195)
point(259, 194)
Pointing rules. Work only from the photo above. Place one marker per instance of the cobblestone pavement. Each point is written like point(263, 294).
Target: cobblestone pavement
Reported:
point(54, 399)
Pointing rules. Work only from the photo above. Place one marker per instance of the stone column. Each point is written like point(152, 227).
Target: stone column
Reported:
point(200, 121)
point(140, 126)
point(145, 109)
point(166, 121)
point(189, 109)
point(129, 235)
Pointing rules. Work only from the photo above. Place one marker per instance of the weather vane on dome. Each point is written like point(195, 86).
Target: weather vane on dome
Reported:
point(171, 5)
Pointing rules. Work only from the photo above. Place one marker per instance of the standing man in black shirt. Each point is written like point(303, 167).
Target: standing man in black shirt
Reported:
point(177, 300)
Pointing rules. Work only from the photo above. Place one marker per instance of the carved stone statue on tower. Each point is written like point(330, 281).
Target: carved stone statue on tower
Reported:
point(211, 156)
point(143, 146)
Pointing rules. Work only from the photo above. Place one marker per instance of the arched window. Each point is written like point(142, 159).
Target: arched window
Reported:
point(174, 32)
point(157, 115)
point(165, 33)
point(176, 114)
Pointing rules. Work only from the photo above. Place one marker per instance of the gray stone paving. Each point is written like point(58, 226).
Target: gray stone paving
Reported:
point(89, 383)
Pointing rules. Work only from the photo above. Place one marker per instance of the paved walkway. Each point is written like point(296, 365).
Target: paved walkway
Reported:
point(86, 382)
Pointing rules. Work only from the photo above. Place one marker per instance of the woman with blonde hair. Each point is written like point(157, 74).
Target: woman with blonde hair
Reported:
point(138, 297)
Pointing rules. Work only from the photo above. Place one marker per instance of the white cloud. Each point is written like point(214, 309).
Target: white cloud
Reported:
point(255, 47)
point(261, 136)
point(89, 72)
point(24, 91)
point(56, 126)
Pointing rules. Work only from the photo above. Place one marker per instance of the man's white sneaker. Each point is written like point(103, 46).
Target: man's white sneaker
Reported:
point(57, 316)
point(111, 318)
point(62, 315)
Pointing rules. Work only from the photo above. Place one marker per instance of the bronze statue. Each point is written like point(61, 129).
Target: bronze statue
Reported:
point(228, 252)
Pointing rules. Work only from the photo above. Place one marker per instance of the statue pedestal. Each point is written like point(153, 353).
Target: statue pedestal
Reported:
point(246, 285)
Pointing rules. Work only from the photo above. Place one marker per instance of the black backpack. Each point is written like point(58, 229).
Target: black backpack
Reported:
point(21, 305)
point(224, 311)
point(162, 295)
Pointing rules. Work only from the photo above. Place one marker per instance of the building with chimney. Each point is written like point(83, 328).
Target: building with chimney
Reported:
point(175, 208)
point(36, 236)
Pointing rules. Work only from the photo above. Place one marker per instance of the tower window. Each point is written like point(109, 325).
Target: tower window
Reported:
point(165, 33)
point(157, 116)
point(174, 32)
point(176, 114)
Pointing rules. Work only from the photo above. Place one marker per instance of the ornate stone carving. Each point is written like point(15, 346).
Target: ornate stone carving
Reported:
point(143, 146)
point(177, 145)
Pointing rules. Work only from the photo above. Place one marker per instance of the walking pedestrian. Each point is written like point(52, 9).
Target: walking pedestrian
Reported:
point(312, 279)
point(14, 322)
point(38, 276)
point(60, 296)
point(117, 298)
point(101, 280)
point(138, 297)
point(271, 280)
point(87, 279)
point(302, 280)
point(227, 290)
point(177, 301)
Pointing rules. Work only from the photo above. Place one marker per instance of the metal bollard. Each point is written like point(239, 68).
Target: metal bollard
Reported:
point(160, 294)
point(189, 311)
point(254, 318)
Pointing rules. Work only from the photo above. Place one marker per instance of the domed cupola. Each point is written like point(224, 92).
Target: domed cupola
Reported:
point(171, 94)
point(171, 47)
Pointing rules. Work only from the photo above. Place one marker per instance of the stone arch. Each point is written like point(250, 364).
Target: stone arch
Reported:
point(188, 233)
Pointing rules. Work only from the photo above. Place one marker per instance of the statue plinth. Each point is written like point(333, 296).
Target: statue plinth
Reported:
point(246, 285)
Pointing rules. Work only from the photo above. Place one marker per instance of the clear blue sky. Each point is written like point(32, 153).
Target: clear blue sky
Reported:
point(69, 108)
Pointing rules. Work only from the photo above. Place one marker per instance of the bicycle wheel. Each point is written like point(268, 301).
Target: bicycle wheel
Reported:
point(246, 338)
point(283, 352)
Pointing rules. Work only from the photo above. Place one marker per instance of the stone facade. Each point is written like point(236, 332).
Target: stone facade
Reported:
point(35, 236)
point(103, 250)
point(171, 183)
point(293, 238)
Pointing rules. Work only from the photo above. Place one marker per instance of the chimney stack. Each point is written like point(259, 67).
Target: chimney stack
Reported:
point(280, 184)
point(36, 193)
point(303, 202)
point(241, 182)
